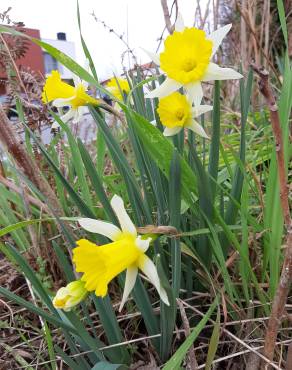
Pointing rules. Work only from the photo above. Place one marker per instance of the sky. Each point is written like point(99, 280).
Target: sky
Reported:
point(141, 23)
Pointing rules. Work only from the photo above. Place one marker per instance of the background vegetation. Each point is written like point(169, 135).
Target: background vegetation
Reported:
point(222, 265)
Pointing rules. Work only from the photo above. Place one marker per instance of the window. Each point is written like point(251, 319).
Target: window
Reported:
point(51, 63)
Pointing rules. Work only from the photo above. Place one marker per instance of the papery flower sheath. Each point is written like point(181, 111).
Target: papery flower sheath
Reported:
point(118, 86)
point(101, 264)
point(186, 61)
point(176, 112)
point(62, 94)
point(71, 295)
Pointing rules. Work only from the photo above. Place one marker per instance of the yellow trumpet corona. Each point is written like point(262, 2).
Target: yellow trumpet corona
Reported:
point(101, 264)
point(62, 94)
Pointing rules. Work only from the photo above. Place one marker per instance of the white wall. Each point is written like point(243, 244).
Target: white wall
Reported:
point(68, 48)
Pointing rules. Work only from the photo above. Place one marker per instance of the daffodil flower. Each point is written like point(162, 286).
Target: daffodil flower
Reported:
point(186, 61)
point(69, 296)
point(117, 86)
point(176, 112)
point(62, 94)
point(101, 264)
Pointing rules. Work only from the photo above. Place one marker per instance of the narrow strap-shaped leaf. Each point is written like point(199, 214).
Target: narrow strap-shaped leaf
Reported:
point(168, 313)
point(86, 211)
point(203, 247)
point(143, 302)
point(30, 275)
point(111, 326)
point(214, 341)
point(174, 219)
point(64, 263)
point(69, 361)
point(96, 183)
point(84, 46)
point(174, 363)
point(76, 162)
point(161, 152)
point(215, 141)
point(53, 319)
point(121, 163)
point(237, 184)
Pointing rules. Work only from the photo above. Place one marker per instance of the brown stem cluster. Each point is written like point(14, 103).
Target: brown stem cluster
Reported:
point(281, 295)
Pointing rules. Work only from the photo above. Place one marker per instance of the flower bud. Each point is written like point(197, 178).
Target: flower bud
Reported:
point(69, 296)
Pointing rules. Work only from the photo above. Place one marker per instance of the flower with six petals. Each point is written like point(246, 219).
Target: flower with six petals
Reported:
point(101, 264)
point(118, 86)
point(176, 112)
point(186, 61)
point(62, 94)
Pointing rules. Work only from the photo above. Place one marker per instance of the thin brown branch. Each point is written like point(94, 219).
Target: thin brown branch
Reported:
point(244, 14)
point(281, 295)
point(238, 340)
point(169, 26)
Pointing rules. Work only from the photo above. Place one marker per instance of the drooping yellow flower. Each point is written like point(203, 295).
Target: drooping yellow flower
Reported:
point(101, 264)
point(69, 296)
point(63, 94)
point(118, 86)
point(176, 112)
point(186, 61)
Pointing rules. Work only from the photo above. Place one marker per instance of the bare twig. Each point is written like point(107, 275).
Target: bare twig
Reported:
point(169, 26)
point(286, 274)
point(289, 357)
point(246, 16)
point(238, 340)
point(119, 36)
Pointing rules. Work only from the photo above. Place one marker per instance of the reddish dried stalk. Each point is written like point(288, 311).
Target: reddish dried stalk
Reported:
point(281, 295)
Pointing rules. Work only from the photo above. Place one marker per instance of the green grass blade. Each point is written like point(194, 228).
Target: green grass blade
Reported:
point(215, 141)
point(96, 182)
point(174, 219)
point(123, 166)
point(73, 365)
point(203, 247)
point(53, 319)
point(100, 151)
point(168, 313)
point(214, 341)
point(161, 151)
point(64, 263)
point(281, 11)
point(111, 327)
point(49, 340)
point(76, 162)
point(175, 361)
point(84, 46)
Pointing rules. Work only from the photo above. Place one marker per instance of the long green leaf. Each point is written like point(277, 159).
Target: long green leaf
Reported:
point(161, 151)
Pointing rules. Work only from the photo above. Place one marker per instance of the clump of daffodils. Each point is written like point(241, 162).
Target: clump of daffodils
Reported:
point(62, 94)
point(176, 112)
point(71, 295)
point(186, 61)
point(118, 87)
point(101, 264)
